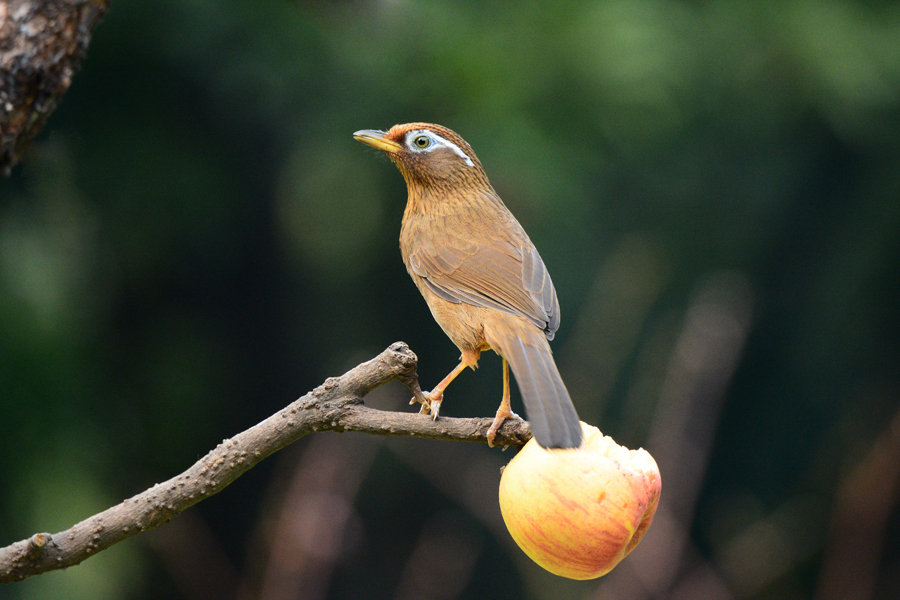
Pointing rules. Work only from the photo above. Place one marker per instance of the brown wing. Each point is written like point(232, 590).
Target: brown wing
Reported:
point(493, 265)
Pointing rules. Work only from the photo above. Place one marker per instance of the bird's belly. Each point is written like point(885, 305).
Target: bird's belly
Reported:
point(463, 323)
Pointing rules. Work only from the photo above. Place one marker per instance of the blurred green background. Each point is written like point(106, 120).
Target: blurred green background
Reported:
point(195, 240)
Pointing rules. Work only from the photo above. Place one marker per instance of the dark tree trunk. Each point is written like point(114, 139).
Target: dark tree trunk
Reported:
point(42, 43)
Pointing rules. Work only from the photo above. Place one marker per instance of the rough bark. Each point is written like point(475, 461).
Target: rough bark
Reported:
point(42, 44)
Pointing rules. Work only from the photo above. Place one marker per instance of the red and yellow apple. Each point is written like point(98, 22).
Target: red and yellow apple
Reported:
point(578, 512)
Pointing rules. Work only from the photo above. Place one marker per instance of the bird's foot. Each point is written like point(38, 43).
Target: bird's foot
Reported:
point(431, 403)
point(502, 415)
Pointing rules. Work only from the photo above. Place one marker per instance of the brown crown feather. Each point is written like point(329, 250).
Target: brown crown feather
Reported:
point(438, 169)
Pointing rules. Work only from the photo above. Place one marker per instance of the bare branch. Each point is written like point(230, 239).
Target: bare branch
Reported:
point(336, 405)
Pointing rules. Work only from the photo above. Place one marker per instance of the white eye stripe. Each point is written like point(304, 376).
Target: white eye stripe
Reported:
point(436, 142)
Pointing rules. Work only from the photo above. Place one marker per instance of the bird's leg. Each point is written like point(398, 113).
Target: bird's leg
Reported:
point(504, 412)
point(433, 399)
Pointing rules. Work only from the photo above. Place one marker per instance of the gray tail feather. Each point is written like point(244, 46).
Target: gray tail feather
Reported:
point(550, 411)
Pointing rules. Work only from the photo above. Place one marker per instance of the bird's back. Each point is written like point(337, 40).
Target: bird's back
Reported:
point(473, 250)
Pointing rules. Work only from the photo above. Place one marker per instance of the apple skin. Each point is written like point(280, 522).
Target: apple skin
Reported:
point(578, 512)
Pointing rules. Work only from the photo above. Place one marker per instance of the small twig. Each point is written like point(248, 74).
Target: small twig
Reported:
point(336, 405)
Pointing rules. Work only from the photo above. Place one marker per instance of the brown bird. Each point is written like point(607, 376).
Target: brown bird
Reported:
point(481, 276)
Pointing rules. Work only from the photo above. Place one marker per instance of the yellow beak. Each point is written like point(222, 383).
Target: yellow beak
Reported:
point(376, 139)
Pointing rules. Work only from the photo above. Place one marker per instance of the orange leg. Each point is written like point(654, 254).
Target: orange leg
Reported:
point(433, 399)
point(504, 412)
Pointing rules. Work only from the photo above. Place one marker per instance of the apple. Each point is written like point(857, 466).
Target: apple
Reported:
point(578, 512)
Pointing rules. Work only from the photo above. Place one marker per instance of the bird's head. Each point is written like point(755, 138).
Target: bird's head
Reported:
point(427, 154)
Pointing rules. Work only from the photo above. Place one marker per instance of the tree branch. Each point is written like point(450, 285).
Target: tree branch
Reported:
point(42, 44)
point(336, 405)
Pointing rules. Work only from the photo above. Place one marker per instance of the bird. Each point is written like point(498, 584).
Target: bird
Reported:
point(480, 274)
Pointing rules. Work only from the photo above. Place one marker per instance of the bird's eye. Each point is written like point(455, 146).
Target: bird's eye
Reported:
point(422, 141)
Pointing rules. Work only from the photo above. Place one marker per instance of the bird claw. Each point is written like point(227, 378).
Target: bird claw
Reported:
point(431, 403)
point(435, 409)
point(499, 420)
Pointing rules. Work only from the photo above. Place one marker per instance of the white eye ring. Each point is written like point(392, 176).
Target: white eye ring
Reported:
point(422, 140)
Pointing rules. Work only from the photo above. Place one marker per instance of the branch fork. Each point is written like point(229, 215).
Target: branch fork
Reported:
point(336, 405)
